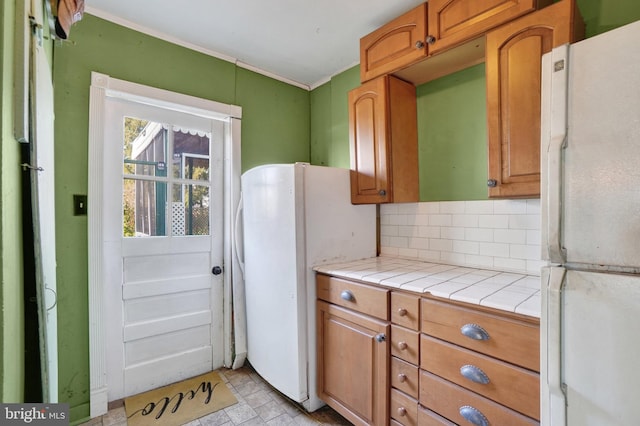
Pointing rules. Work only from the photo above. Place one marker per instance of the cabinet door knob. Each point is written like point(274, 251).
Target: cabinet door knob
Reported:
point(382, 192)
point(380, 337)
point(473, 415)
point(474, 331)
point(492, 183)
point(402, 411)
point(419, 44)
point(430, 39)
point(347, 295)
point(475, 374)
point(402, 377)
point(402, 312)
point(403, 345)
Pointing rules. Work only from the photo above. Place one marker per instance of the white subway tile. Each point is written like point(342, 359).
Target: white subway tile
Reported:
point(466, 247)
point(408, 252)
point(397, 219)
point(534, 237)
point(494, 249)
point(533, 266)
point(407, 231)
point(478, 234)
point(421, 220)
point(390, 208)
point(479, 261)
point(408, 208)
point(451, 233)
point(429, 231)
point(510, 236)
point(533, 206)
point(452, 207)
point(440, 220)
point(419, 243)
point(478, 207)
point(400, 242)
point(465, 220)
point(508, 264)
point(440, 244)
point(389, 230)
point(432, 207)
point(510, 207)
point(453, 258)
point(429, 255)
point(526, 252)
point(388, 251)
point(524, 221)
point(497, 221)
point(384, 241)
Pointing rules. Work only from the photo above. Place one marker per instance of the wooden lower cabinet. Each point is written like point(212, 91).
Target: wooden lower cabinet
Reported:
point(353, 364)
point(419, 362)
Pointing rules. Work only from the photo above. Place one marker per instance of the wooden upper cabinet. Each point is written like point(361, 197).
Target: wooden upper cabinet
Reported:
point(513, 73)
point(452, 22)
point(397, 44)
point(383, 138)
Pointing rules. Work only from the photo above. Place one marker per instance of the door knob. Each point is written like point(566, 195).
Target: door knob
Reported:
point(216, 270)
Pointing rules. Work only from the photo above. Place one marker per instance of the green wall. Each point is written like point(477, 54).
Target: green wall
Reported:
point(11, 257)
point(275, 128)
point(452, 131)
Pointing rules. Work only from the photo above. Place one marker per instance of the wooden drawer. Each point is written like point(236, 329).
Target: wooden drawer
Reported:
point(404, 376)
point(447, 399)
point(405, 344)
point(403, 408)
point(362, 298)
point(507, 338)
point(507, 384)
point(429, 418)
point(405, 310)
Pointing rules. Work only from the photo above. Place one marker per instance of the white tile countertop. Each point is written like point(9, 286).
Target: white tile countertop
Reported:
point(500, 290)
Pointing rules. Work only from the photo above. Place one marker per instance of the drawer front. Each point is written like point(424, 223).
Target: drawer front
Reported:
point(403, 408)
point(405, 310)
point(450, 401)
point(362, 298)
point(404, 376)
point(505, 338)
point(405, 344)
point(429, 418)
point(507, 384)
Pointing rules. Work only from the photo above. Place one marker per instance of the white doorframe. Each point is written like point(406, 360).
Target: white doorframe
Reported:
point(102, 88)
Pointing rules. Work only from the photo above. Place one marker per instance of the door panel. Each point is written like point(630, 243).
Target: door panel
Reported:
point(163, 186)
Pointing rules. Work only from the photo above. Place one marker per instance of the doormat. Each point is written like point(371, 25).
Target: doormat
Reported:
point(179, 403)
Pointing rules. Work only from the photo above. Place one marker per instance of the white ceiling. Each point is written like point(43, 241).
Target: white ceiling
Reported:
point(303, 42)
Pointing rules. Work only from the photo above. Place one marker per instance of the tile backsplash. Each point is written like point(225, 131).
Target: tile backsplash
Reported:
point(491, 234)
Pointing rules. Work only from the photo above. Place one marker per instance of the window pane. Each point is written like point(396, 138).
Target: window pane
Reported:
point(145, 147)
point(143, 205)
point(190, 154)
point(190, 210)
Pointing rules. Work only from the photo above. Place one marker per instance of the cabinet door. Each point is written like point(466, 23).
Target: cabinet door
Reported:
point(453, 22)
point(513, 71)
point(383, 137)
point(353, 364)
point(395, 45)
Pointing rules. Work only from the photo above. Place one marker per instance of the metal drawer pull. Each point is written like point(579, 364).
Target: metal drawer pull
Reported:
point(473, 415)
point(380, 337)
point(347, 295)
point(474, 374)
point(474, 331)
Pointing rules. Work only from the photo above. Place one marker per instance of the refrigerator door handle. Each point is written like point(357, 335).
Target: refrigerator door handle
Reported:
point(236, 236)
point(557, 142)
point(553, 347)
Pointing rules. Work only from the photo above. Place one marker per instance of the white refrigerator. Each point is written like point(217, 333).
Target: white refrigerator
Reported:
point(590, 325)
point(295, 216)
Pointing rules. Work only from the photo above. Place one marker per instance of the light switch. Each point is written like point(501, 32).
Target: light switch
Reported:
point(79, 205)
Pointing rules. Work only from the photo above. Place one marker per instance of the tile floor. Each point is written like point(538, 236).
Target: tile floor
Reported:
point(258, 404)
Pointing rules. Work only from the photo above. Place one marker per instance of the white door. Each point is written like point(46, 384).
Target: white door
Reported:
point(163, 232)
